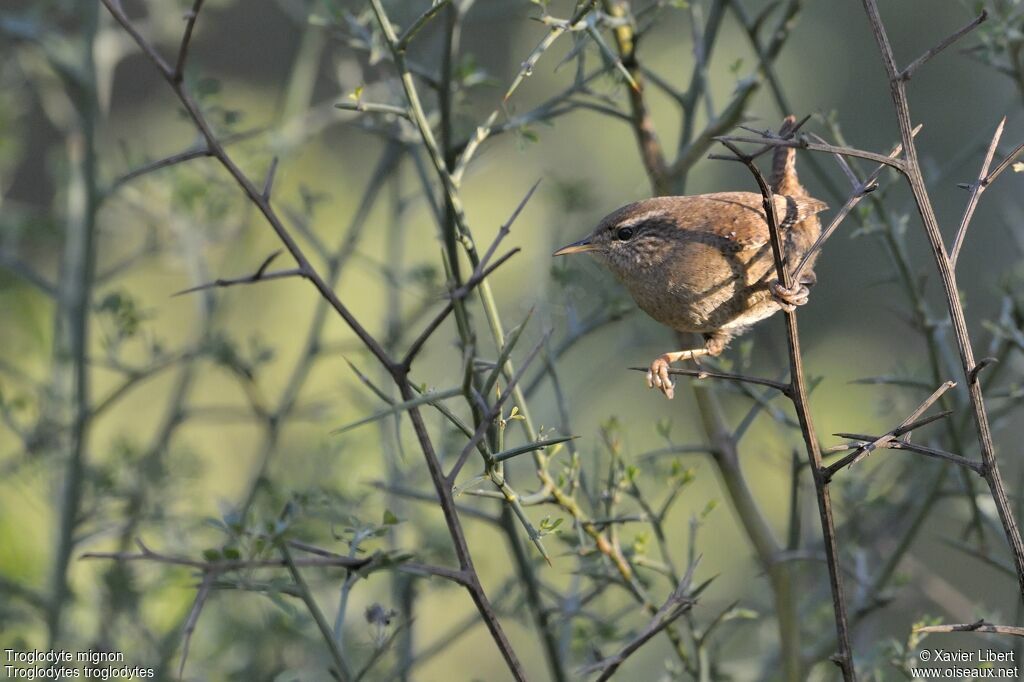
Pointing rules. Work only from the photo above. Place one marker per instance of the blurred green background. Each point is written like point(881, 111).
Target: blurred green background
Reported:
point(189, 224)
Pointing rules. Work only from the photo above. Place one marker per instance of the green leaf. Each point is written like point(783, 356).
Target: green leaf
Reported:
point(389, 518)
point(530, 447)
point(212, 554)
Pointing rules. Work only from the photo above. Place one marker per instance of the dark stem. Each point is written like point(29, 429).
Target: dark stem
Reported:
point(798, 394)
point(912, 171)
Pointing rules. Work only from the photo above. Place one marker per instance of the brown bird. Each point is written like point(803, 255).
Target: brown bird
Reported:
point(704, 263)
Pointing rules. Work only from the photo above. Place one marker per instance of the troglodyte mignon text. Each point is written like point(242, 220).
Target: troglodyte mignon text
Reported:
point(704, 263)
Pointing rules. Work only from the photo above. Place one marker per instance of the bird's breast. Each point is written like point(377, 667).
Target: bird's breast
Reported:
point(695, 289)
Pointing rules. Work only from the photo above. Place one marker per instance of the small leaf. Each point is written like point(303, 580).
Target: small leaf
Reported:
point(212, 554)
point(389, 518)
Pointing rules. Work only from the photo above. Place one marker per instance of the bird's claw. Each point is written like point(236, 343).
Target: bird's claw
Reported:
point(658, 377)
point(789, 299)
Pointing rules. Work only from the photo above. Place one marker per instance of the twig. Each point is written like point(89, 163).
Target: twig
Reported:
point(912, 171)
point(651, 152)
point(860, 190)
point(193, 619)
point(802, 143)
point(421, 21)
point(398, 373)
point(493, 412)
point(268, 184)
point(11, 262)
point(374, 108)
point(678, 603)
point(976, 189)
point(196, 152)
point(1004, 164)
point(454, 296)
point(306, 595)
point(261, 275)
point(785, 389)
point(907, 73)
point(905, 426)
point(480, 274)
point(254, 195)
point(798, 394)
point(897, 444)
point(977, 626)
point(186, 40)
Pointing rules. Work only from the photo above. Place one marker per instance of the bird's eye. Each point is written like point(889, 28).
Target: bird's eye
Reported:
point(624, 234)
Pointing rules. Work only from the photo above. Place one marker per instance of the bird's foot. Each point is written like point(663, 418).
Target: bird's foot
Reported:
point(658, 376)
point(789, 299)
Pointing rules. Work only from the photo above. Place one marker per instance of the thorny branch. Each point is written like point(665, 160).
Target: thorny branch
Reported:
point(798, 395)
point(399, 373)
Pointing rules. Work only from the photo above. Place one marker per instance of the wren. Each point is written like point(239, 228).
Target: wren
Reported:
point(704, 263)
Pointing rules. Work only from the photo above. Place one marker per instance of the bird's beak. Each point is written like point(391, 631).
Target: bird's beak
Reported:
point(581, 246)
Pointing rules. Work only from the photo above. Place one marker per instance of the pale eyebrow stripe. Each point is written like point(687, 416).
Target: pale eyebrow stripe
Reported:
point(643, 217)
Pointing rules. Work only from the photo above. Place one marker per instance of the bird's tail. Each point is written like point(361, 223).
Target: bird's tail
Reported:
point(784, 178)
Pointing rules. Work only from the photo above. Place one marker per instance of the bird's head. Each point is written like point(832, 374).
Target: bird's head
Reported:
point(635, 237)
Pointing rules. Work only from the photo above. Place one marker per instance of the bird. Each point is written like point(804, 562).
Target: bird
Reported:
point(704, 263)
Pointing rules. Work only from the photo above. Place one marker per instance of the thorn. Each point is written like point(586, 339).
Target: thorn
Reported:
point(269, 182)
point(972, 376)
point(270, 259)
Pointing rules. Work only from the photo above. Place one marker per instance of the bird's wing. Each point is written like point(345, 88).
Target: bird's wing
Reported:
point(738, 217)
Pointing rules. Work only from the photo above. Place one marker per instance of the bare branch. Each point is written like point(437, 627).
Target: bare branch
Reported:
point(912, 171)
point(977, 626)
point(798, 395)
point(860, 190)
point(802, 143)
point(506, 227)
point(421, 21)
point(494, 411)
point(785, 389)
point(165, 162)
point(907, 73)
point(1004, 164)
point(225, 565)
point(456, 295)
point(196, 152)
point(268, 184)
point(898, 444)
point(306, 595)
point(193, 618)
point(19, 267)
point(253, 194)
point(261, 275)
point(371, 107)
point(678, 603)
point(905, 426)
point(186, 40)
point(976, 189)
